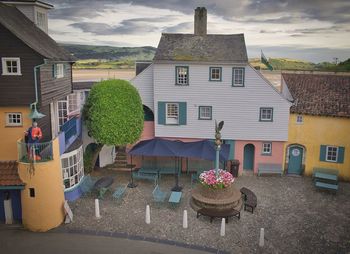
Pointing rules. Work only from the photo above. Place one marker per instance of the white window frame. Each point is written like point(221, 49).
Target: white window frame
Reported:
point(72, 168)
point(59, 71)
point(5, 67)
point(332, 155)
point(300, 119)
point(238, 77)
point(219, 73)
point(266, 148)
point(41, 19)
point(201, 115)
point(262, 114)
point(172, 117)
point(62, 113)
point(181, 75)
point(10, 116)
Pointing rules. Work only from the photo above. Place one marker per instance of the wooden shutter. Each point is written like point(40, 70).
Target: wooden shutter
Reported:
point(323, 151)
point(54, 70)
point(161, 112)
point(182, 113)
point(341, 151)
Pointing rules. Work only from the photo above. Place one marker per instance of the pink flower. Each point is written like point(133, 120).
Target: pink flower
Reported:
point(223, 180)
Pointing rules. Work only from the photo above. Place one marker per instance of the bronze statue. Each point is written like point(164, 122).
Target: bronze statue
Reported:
point(218, 128)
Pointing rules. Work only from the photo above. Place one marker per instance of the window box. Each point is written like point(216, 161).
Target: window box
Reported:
point(182, 75)
point(11, 66)
point(215, 74)
point(238, 77)
point(266, 115)
point(205, 112)
point(13, 119)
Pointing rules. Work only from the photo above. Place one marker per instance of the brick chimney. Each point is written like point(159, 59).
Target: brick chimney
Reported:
point(200, 21)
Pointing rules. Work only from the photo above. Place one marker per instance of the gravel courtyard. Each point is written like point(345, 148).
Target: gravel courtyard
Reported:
point(296, 217)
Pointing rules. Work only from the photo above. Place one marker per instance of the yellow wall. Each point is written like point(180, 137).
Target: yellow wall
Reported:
point(320, 130)
point(10, 135)
point(45, 210)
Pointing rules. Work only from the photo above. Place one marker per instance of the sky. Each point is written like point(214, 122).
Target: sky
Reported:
point(312, 30)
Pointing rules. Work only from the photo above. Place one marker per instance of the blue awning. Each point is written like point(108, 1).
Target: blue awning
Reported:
point(203, 149)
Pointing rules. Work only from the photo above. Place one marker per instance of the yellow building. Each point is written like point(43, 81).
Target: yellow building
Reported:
point(319, 125)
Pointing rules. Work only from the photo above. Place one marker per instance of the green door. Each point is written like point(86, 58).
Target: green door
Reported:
point(295, 160)
point(248, 159)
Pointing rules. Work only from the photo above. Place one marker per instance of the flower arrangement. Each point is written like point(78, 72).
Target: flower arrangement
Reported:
point(209, 179)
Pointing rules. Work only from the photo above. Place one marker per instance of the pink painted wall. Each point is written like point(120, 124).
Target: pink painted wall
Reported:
point(148, 130)
point(275, 157)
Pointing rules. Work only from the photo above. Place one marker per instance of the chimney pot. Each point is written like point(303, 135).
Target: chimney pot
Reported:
point(200, 21)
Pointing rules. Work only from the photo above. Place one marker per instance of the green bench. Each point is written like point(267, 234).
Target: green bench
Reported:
point(270, 168)
point(326, 178)
point(146, 176)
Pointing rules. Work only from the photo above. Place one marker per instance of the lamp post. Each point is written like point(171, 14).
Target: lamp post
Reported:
point(218, 128)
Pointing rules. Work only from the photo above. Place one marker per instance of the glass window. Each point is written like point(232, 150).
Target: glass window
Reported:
point(62, 109)
point(11, 66)
point(59, 71)
point(205, 112)
point(13, 119)
point(181, 75)
point(266, 114)
point(215, 73)
point(266, 148)
point(238, 77)
point(172, 113)
point(41, 20)
point(72, 167)
point(332, 153)
point(299, 119)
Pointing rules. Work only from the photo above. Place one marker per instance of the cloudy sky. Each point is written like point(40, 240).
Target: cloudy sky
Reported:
point(315, 30)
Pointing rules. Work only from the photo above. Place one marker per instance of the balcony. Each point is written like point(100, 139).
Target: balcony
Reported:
point(38, 152)
point(69, 132)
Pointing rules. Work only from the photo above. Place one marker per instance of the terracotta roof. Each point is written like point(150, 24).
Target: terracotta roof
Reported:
point(202, 48)
point(9, 173)
point(319, 94)
point(25, 30)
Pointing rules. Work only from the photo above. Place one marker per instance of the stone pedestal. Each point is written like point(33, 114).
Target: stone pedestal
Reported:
point(221, 199)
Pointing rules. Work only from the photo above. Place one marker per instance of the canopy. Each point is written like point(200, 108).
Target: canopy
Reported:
point(204, 149)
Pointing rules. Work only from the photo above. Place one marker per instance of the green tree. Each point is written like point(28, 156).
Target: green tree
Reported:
point(113, 114)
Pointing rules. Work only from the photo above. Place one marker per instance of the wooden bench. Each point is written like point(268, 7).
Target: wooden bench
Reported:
point(215, 213)
point(326, 178)
point(269, 168)
point(250, 200)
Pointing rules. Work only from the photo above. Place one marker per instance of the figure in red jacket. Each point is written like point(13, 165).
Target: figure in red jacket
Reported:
point(32, 137)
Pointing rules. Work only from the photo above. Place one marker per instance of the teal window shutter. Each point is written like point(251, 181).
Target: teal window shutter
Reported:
point(232, 148)
point(161, 112)
point(341, 151)
point(182, 113)
point(54, 70)
point(323, 151)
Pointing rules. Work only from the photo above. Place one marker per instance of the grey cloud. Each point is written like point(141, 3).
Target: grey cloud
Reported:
point(180, 28)
point(125, 27)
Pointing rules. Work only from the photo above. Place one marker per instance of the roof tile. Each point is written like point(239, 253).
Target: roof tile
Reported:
point(9, 173)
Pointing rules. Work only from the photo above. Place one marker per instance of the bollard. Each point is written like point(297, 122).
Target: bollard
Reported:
point(184, 221)
point(222, 230)
point(97, 209)
point(148, 215)
point(261, 240)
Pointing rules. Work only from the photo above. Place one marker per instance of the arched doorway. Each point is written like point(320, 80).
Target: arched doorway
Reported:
point(148, 114)
point(295, 159)
point(248, 157)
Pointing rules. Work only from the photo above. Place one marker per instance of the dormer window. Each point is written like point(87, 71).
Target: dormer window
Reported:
point(41, 20)
point(58, 70)
point(11, 66)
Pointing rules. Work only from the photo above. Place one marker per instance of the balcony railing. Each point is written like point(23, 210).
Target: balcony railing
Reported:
point(69, 128)
point(34, 152)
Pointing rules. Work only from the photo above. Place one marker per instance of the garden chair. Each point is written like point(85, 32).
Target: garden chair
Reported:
point(87, 184)
point(119, 193)
point(158, 195)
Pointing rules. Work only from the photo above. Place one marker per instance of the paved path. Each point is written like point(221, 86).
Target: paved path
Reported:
point(16, 240)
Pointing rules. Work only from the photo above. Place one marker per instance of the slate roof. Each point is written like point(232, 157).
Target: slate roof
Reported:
point(9, 174)
point(319, 94)
point(206, 48)
point(24, 29)
point(29, 1)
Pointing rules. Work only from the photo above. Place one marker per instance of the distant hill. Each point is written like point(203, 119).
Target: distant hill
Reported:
point(107, 57)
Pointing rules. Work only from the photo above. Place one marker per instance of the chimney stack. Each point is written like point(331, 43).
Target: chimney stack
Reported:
point(200, 21)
